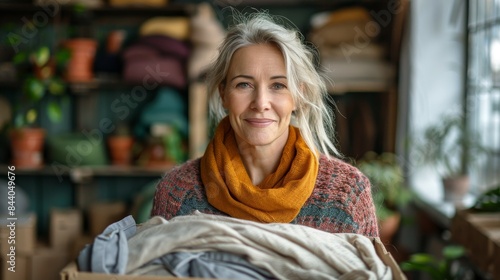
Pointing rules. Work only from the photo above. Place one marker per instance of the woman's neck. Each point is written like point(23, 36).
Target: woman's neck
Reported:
point(260, 161)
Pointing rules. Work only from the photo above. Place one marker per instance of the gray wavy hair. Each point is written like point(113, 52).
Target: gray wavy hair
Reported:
point(309, 92)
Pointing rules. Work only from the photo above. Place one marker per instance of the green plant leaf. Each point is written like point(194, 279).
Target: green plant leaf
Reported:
point(422, 258)
point(425, 267)
point(388, 184)
point(443, 266)
point(57, 86)
point(453, 252)
point(34, 89)
point(20, 57)
point(19, 120)
point(451, 146)
point(409, 266)
point(62, 56)
point(79, 8)
point(31, 116)
point(489, 201)
point(54, 111)
point(437, 269)
point(41, 56)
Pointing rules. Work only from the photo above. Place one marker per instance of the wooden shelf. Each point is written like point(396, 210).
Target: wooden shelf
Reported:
point(44, 170)
point(13, 9)
point(299, 4)
point(91, 171)
point(81, 88)
point(344, 87)
point(13, 13)
point(112, 170)
point(170, 10)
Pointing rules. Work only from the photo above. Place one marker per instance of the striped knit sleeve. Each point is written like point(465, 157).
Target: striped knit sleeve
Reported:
point(364, 207)
point(176, 185)
point(160, 199)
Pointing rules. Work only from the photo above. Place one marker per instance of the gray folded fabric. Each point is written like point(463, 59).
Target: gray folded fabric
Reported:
point(109, 252)
point(212, 264)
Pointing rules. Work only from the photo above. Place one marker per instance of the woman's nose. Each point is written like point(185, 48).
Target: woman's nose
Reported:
point(261, 99)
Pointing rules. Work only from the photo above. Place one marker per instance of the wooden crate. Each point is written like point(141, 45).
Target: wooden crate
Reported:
point(479, 233)
point(496, 260)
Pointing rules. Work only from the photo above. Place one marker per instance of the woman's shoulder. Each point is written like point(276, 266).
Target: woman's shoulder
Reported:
point(331, 163)
point(187, 171)
point(341, 200)
point(187, 165)
point(334, 169)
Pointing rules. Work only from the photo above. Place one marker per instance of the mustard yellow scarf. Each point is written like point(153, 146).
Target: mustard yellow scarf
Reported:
point(281, 194)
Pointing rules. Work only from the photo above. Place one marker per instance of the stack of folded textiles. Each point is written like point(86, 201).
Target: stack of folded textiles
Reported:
point(212, 246)
point(349, 47)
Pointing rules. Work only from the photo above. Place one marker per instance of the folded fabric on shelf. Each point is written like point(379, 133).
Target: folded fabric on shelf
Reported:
point(156, 60)
point(207, 34)
point(152, 72)
point(340, 69)
point(342, 26)
point(351, 53)
point(176, 27)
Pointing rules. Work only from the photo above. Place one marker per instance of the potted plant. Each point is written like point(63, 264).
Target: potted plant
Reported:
point(42, 91)
point(488, 201)
point(447, 267)
point(82, 45)
point(120, 145)
point(389, 191)
point(451, 147)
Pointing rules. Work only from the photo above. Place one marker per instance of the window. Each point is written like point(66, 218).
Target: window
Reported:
point(483, 87)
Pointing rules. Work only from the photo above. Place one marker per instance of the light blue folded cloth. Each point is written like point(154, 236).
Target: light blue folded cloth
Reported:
point(109, 252)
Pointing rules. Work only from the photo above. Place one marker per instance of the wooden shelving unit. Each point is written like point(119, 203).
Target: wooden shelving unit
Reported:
point(79, 186)
point(104, 10)
point(94, 171)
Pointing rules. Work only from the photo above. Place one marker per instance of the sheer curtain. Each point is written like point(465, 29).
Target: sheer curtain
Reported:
point(483, 88)
point(431, 83)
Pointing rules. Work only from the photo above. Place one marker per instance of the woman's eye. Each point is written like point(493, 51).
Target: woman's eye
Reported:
point(278, 86)
point(243, 85)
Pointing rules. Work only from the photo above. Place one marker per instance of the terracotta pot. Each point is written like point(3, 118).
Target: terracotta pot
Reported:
point(27, 147)
point(455, 188)
point(80, 66)
point(388, 228)
point(114, 41)
point(120, 148)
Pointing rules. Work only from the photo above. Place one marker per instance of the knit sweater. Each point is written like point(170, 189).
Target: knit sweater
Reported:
point(341, 201)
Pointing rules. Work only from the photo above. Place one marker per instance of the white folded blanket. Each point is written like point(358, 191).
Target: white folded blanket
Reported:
point(288, 251)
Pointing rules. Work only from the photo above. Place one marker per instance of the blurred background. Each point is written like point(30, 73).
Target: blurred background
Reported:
point(99, 98)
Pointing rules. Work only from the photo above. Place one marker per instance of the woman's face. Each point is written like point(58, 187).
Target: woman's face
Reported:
point(257, 97)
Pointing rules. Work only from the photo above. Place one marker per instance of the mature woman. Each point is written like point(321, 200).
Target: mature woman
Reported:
point(271, 158)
